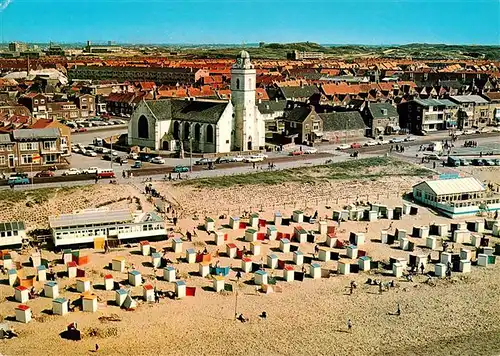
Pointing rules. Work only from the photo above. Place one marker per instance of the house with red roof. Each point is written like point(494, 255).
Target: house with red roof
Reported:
point(64, 130)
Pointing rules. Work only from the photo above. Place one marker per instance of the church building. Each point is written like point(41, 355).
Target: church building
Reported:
point(208, 126)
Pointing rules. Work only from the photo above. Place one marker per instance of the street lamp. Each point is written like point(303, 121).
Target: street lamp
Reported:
point(190, 138)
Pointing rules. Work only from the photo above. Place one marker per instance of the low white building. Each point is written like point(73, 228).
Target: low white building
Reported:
point(12, 233)
point(453, 196)
point(83, 227)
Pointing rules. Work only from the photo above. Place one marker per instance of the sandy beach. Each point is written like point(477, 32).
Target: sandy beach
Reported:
point(441, 317)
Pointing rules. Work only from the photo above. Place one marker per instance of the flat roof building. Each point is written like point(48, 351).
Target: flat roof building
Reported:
point(454, 196)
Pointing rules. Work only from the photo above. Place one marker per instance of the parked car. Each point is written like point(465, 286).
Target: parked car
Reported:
point(469, 132)
point(495, 129)
point(223, 160)
point(488, 162)
point(343, 146)
point(106, 157)
point(90, 170)
point(180, 169)
point(137, 164)
point(483, 130)
point(239, 158)
point(105, 173)
point(75, 150)
point(410, 139)
point(477, 162)
point(383, 142)
point(105, 150)
point(310, 150)
point(81, 129)
point(464, 162)
point(253, 159)
point(133, 155)
point(355, 145)
point(90, 153)
point(72, 172)
point(114, 153)
point(203, 161)
point(396, 140)
point(158, 160)
point(44, 174)
point(121, 159)
point(296, 153)
point(497, 162)
point(17, 180)
point(263, 155)
point(370, 143)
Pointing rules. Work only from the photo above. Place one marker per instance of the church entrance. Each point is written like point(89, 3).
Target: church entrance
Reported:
point(249, 145)
point(165, 146)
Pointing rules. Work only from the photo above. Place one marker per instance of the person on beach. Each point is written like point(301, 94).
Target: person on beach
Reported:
point(398, 312)
point(349, 325)
point(422, 268)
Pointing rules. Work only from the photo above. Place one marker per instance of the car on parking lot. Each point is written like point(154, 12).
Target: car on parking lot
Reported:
point(106, 157)
point(497, 162)
point(469, 132)
point(488, 162)
point(253, 159)
point(410, 139)
point(90, 153)
point(76, 150)
point(477, 162)
point(343, 146)
point(18, 180)
point(133, 155)
point(114, 153)
point(238, 158)
point(220, 160)
point(310, 150)
point(137, 164)
point(44, 174)
point(355, 145)
point(483, 130)
point(383, 142)
point(464, 162)
point(495, 129)
point(72, 172)
point(90, 170)
point(203, 161)
point(105, 150)
point(296, 153)
point(81, 129)
point(396, 140)
point(370, 143)
point(180, 169)
point(158, 160)
point(263, 155)
point(121, 159)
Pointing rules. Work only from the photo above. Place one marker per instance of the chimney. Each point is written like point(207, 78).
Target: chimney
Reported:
point(260, 101)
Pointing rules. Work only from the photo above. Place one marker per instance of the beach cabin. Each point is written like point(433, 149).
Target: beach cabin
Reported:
point(191, 255)
point(255, 248)
point(234, 222)
point(397, 269)
point(67, 256)
point(169, 274)
point(431, 242)
point(277, 218)
point(246, 264)
point(60, 306)
point(445, 258)
point(400, 234)
point(41, 272)
point(461, 236)
point(331, 240)
point(109, 283)
point(482, 260)
point(21, 294)
point(156, 259)
point(298, 258)
point(120, 296)
point(209, 224)
point(465, 266)
point(260, 277)
point(344, 267)
point(129, 303)
point(364, 263)
point(495, 230)
point(440, 230)
point(231, 250)
point(352, 252)
point(272, 261)
point(254, 221)
point(475, 225)
point(148, 293)
point(272, 232)
point(420, 231)
point(372, 215)
point(12, 233)
point(324, 255)
point(250, 235)
point(465, 254)
point(71, 269)
point(177, 245)
point(440, 270)
point(289, 273)
point(145, 248)
point(218, 283)
point(300, 234)
point(12, 275)
point(285, 245)
point(298, 216)
point(89, 302)
point(404, 244)
point(83, 285)
point(118, 264)
point(475, 239)
point(322, 227)
point(7, 261)
point(180, 289)
point(36, 259)
point(359, 238)
point(204, 269)
point(219, 238)
point(134, 278)
point(315, 270)
point(384, 236)
point(51, 289)
point(23, 313)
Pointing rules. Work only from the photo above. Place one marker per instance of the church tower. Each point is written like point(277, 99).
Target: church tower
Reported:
point(248, 126)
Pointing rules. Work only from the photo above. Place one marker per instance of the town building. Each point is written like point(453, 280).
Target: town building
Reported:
point(86, 226)
point(17, 47)
point(494, 114)
point(34, 147)
point(36, 104)
point(159, 75)
point(64, 131)
point(343, 126)
point(301, 55)
point(101, 49)
point(208, 126)
point(303, 125)
point(12, 233)
point(473, 112)
point(454, 196)
point(381, 118)
point(428, 115)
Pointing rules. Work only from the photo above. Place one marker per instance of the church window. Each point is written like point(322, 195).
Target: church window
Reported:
point(197, 132)
point(186, 130)
point(177, 130)
point(249, 83)
point(237, 84)
point(143, 127)
point(210, 134)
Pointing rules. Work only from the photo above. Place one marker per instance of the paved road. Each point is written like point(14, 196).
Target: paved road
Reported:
point(87, 137)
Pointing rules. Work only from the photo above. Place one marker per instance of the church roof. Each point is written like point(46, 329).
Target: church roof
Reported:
point(187, 110)
point(342, 120)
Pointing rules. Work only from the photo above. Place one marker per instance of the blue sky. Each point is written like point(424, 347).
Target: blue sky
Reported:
point(237, 21)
